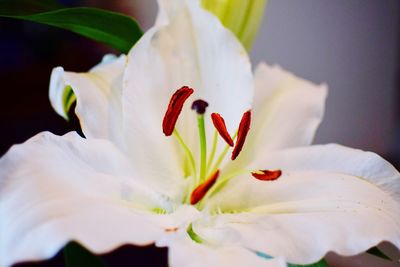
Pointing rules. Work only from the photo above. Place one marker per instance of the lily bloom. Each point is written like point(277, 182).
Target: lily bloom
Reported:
point(186, 148)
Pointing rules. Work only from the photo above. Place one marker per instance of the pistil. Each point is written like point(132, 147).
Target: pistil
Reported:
point(203, 147)
point(200, 107)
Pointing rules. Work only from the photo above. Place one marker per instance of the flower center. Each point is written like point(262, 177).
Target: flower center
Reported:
point(209, 178)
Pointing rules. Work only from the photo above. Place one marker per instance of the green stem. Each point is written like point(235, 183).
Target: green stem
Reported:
point(188, 153)
point(203, 147)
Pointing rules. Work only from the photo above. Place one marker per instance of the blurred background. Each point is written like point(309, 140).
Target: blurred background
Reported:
point(353, 46)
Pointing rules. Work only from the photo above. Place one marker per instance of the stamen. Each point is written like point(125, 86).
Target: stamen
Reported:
point(222, 155)
point(219, 124)
point(174, 109)
point(187, 151)
point(174, 229)
point(243, 130)
point(200, 191)
point(267, 175)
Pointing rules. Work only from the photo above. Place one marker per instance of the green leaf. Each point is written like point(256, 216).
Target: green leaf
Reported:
point(321, 263)
point(378, 253)
point(76, 255)
point(14, 7)
point(114, 29)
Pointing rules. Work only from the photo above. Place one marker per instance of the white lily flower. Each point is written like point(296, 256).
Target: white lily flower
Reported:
point(127, 183)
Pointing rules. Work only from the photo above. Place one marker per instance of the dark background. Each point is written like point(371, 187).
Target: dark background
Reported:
point(360, 112)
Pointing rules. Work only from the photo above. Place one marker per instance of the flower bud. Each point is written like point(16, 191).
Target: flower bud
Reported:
point(242, 17)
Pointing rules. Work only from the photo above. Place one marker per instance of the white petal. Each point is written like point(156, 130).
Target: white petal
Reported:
point(55, 189)
point(329, 198)
point(337, 158)
point(190, 48)
point(184, 252)
point(287, 109)
point(286, 113)
point(98, 94)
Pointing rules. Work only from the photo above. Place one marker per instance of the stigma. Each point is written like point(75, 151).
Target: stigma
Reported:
point(200, 106)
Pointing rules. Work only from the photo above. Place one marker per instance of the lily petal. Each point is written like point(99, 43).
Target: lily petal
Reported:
point(329, 198)
point(287, 111)
point(188, 47)
point(56, 189)
point(337, 158)
point(184, 252)
point(98, 96)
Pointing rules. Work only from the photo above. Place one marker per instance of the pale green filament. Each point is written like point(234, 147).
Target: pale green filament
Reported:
point(221, 182)
point(188, 153)
point(213, 150)
point(203, 147)
point(222, 156)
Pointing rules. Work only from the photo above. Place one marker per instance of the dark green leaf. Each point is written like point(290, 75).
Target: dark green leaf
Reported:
point(377, 252)
point(27, 7)
point(76, 255)
point(321, 263)
point(114, 29)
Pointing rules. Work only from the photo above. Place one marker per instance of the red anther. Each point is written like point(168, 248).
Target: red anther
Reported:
point(219, 124)
point(267, 175)
point(202, 189)
point(244, 128)
point(174, 109)
point(174, 229)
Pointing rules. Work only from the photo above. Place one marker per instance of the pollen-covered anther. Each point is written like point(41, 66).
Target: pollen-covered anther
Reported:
point(220, 125)
point(169, 230)
point(267, 175)
point(200, 191)
point(174, 109)
point(243, 130)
